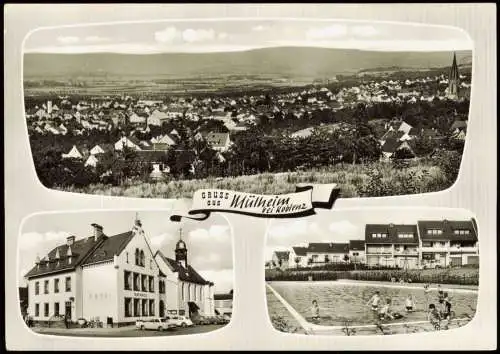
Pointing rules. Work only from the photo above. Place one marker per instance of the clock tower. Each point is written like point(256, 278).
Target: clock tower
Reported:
point(181, 251)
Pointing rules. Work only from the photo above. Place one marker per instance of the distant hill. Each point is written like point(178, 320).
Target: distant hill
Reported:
point(286, 61)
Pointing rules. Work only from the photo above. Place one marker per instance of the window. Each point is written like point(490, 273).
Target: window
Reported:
point(434, 232)
point(137, 281)
point(46, 309)
point(461, 232)
point(151, 307)
point(150, 264)
point(56, 285)
point(144, 281)
point(144, 307)
point(126, 280)
point(405, 235)
point(151, 284)
point(161, 286)
point(37, 288)
point(142, 259)
point(136, 307)
point(137, 257)
point(126, 257)
point(128, 307)
point(37, 310)
point(46, 287)
point(68, 284)
point(56, 309)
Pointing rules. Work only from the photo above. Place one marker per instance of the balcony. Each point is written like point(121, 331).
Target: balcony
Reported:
point(439, 249)
point(464, 249)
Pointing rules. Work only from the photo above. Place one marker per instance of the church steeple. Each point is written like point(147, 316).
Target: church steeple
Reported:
point(453, 80)
point(181, 251)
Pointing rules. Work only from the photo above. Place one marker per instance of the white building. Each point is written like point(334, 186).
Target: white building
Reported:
point(128, 142)
point(224, 304)
point(187, 291)
point(297, 257)
point(73, 153)
point(112, 278)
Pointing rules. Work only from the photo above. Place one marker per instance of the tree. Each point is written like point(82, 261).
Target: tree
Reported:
point(297, 261)
point(346, 258)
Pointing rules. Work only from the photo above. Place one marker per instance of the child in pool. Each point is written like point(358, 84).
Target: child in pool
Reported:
point(385, 311)
point(409, 303)
point(374, 301)
point(315, 310)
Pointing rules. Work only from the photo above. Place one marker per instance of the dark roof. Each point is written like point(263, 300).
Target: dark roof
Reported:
point(79, 249)
point(188, 274)
point(151, 155)
point(223, 296)
point(300, 251)
point(390, 145)
point(328, 247)
point(283, 255)
point(448, 227)
point(356, 245)
point(392, 232)
point(111, 246)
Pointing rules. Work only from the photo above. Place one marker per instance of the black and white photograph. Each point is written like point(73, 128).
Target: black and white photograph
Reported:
point(373, 272)
point(124, 274)
point(163, 108)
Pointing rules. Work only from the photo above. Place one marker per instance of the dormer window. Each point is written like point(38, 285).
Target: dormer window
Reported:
point(406, 235)
point(461, 232)
point(434, 232)
point(379, 235)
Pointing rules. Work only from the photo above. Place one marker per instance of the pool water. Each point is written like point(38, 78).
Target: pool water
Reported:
point(347, 302)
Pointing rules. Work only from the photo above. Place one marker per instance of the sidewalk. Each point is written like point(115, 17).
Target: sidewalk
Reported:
point(83, 330)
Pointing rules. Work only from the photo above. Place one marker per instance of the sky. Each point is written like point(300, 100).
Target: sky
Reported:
point(209, 242)
point(340, 226)
point(235, 35)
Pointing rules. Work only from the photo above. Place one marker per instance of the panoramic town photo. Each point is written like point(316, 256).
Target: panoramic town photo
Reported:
point(124, 274)
point(161, 109)
point(373, 272)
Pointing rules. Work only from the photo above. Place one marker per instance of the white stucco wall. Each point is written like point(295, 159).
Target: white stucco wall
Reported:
point(100, 294)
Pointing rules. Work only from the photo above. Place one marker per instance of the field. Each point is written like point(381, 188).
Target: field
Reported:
point(342, 303)
point(372, 179)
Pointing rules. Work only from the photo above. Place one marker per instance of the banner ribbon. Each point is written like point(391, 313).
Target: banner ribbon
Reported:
point(306, 198)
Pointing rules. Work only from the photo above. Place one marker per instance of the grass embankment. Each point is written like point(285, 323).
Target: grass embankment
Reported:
point(462, 276)
point(364, 180)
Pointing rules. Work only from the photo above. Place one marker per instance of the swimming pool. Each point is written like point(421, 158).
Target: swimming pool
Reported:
point(340, 302)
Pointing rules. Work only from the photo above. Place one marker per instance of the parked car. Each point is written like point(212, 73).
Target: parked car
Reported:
point(181, 321)
point(158, 324)
point(201, 320)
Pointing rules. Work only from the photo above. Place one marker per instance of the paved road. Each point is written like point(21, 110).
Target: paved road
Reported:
point(128, 331)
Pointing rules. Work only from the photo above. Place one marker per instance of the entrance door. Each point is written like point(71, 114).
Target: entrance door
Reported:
point(162, 309)
point(67, 309)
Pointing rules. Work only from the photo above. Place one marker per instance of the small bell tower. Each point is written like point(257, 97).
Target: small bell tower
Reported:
point(181, 251)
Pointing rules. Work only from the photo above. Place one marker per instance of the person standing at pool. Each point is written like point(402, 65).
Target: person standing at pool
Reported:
point(433, 316)
point(374, 301)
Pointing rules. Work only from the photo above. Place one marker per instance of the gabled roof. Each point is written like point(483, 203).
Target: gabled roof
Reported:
point(392, 232)
point(111, 246)
point(328, 247)
point(300, 251)
point(356, 245)
point(188, 274)
point(448, 228)
point(217, 139)
point(79, 249)
point(282, 255)
point(223, 296)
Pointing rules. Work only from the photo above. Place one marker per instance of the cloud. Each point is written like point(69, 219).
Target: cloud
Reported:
point(364, 31)
point(159, 240)
point(223, 279)
point(191, 35)
point(68, 39)
point(167, 35)
point(216, 233)
point(31, 240)
point(222, 35)
point(331, 31)
point(95, 39)
point(259, 28)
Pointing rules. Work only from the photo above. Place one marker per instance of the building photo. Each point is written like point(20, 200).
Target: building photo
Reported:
point(373, 271)
point(123, 272)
